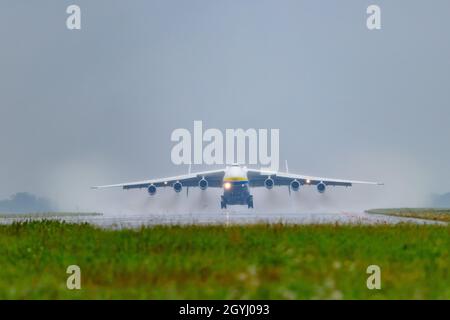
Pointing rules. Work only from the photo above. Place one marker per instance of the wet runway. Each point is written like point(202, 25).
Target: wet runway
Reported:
point(229, 218)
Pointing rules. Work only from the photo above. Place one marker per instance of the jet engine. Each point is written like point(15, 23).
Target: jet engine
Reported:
point(151, 189)
point(177, 186)
point(203, 184)
point(321, 187)
point(268, 183)
point(295, 185)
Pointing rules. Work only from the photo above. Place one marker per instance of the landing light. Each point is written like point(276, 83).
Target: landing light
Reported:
point(227, 186)
point(308, 181)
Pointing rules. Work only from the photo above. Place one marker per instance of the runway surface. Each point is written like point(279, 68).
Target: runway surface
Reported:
point(228, 218)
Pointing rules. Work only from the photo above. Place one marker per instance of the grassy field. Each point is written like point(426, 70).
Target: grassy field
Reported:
point(420, 213)
point(259, 261)
point(48, 214)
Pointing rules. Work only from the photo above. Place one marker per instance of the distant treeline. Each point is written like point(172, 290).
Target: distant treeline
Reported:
point(24, 202)
point(441, 200)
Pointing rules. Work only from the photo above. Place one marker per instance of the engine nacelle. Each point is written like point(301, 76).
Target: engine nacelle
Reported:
point(321, 187)
point(177, 186)
point(151, 189)
point(295, 185)
point(268, 183)
point(203, 184)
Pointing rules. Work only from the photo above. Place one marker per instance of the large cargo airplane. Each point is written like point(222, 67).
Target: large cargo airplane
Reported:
point(236, 182)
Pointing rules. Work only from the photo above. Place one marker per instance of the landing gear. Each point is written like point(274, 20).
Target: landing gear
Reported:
point(244, 200)
point(223, 203)
point(250, 202)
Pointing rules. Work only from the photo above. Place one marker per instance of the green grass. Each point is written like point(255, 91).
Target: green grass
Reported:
point(420, 213)
point(236, 262)
point(48, 214)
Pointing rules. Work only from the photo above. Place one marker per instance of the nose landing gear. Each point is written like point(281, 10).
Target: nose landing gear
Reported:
point(223, 203)
point(250, 202)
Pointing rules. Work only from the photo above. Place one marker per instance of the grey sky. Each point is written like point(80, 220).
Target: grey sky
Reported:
point(98, 105)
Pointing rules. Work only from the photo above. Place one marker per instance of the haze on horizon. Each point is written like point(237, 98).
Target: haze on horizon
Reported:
point(98, 106)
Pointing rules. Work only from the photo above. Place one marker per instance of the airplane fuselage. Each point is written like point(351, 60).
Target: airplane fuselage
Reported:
point(236, 188)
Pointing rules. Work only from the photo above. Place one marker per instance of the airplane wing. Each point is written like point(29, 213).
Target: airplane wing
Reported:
point(214, 178)
point(257, 178)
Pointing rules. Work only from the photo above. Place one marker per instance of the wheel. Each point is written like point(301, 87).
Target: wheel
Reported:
point(223, 204)
point(250, 202)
